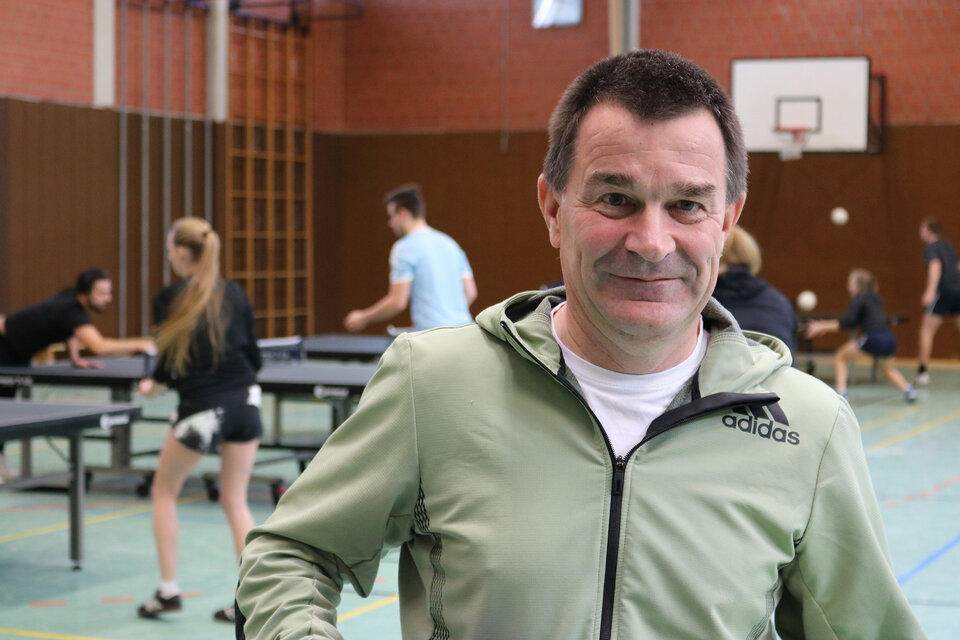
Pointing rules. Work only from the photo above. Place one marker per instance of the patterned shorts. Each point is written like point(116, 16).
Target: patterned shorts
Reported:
point(202, 424)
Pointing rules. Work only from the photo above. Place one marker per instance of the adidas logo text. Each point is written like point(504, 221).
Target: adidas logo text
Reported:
point(764, 428)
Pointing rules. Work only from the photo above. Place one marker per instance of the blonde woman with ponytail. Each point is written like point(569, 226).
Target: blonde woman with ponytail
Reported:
point(207, 351)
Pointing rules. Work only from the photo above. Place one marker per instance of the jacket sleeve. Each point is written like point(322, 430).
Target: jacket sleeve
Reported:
point(356, 498)
point(841, 584)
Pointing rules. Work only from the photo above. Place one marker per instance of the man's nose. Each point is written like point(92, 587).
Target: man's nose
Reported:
point(649, 233)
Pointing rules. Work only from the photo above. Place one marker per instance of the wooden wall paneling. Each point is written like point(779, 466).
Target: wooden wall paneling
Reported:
point(479, 188)
point(275, 316)
point(4, 205)
point(483, 193)
point(887, 196)
point(62, 164)
point(26, 193)
point(134, 194)
point(62, 212)
point(95, 195)
point(306, 321)
point(329, 211)
point(156, 252)
point(248, 118)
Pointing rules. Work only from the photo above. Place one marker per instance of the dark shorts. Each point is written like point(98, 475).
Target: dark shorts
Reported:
point(202, 424)
point(947, 303)
point(881, 344)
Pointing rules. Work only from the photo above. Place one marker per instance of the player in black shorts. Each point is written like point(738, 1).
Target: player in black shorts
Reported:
point(207, 351)
point(865, 313)
point(63, 317)
point(941, 295)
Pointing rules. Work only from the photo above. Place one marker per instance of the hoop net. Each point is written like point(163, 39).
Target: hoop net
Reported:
point(793, 140)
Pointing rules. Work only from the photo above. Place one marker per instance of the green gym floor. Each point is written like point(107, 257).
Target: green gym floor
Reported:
point(913, 452)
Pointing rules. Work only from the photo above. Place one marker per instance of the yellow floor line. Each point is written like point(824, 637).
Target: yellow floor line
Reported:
point(368, 608)
point(94, 519)
point(873, 424)
point(39, 634)
point(915, 431)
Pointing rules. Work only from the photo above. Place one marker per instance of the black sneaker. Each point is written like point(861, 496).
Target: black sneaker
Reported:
point(225, 615)
point(158, 604)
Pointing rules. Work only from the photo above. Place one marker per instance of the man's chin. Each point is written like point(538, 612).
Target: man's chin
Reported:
point(646, 316)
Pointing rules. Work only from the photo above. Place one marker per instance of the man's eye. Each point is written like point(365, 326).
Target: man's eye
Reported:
point(687, 205)
point(615, 199)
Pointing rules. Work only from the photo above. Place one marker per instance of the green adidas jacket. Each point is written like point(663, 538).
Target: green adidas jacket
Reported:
point(474, 453)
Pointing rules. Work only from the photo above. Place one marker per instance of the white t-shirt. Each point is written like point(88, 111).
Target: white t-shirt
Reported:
point(627, 403)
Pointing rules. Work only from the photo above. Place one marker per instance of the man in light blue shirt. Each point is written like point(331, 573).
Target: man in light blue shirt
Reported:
point(428, 270)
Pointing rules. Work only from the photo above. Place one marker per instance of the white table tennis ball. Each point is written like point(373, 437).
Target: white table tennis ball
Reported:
point(839, 216)
point(807, 300)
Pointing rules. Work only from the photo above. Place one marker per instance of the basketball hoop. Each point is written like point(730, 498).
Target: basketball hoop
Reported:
point(793, 140)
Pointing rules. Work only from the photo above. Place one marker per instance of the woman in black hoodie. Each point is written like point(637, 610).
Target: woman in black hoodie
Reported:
point(755, 304)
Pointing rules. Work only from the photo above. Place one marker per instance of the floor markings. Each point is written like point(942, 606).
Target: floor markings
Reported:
point(873, 424)
point(914, 432)
point(926, 493)
point(368, 608)
point(63, 526)
point(23, 633)
point(933, 557)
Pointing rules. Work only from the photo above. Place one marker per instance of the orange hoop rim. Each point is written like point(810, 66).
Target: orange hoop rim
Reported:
point(799, 133)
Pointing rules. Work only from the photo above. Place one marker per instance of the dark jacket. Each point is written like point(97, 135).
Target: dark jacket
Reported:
point(756, 305)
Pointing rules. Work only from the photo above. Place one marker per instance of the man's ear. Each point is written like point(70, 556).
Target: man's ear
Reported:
point(550, 208)
point(732, 213)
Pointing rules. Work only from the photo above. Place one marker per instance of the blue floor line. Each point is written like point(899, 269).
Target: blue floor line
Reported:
point(902, 580)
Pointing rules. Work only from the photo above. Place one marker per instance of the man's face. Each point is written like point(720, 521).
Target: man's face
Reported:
point(101, 294)
point(641, 223)
point(397, 219)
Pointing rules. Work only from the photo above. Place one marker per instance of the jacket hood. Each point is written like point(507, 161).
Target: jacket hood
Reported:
point(737, 283)
point(736, 361)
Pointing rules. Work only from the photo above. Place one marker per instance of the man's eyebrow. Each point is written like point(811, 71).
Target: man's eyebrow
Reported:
point(624, 181)
point(694, 189)
point(600, 178)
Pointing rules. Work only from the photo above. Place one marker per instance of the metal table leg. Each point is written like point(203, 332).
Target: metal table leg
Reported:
point(77, 494)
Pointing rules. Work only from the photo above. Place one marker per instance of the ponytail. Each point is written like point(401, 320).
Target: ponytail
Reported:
point(200, 302)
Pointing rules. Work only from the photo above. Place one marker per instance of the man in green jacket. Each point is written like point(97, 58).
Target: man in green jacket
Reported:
point(612, 460)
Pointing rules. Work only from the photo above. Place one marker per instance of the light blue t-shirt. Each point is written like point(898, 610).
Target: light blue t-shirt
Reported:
point(435, 265)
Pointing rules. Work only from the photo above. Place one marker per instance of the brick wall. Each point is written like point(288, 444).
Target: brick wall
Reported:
point(46, 49)
point(416, 65)
point(181, 20)
point(327, 75)
point(909, 41)
point(461, 65)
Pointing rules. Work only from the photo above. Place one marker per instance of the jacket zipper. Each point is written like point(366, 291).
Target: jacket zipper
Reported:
point(616, 495)
point(613, 548)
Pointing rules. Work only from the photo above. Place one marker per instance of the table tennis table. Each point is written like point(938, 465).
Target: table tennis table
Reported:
point(344, 346)
point(26, 420)
point(338, 383)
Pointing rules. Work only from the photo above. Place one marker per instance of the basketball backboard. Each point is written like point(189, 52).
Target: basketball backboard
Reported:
point(827, 97)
